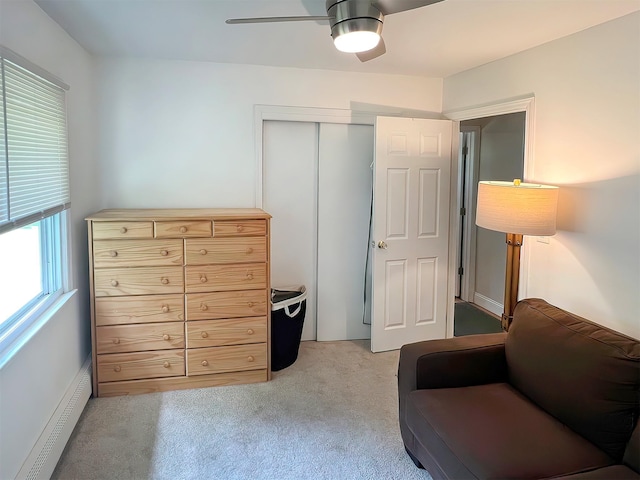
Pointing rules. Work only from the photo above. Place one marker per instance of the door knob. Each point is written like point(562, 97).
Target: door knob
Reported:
point(382, 244)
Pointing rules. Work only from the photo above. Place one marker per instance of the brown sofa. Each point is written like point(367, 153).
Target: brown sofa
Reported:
point(555, 397)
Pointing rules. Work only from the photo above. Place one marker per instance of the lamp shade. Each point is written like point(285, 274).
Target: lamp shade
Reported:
point(522, 208)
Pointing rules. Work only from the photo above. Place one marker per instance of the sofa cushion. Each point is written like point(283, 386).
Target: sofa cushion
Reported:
point(584, 374)
point(614, 472)
point(632, 452)
point(493, 431)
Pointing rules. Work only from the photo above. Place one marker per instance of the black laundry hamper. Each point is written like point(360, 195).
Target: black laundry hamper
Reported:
point(288, 307)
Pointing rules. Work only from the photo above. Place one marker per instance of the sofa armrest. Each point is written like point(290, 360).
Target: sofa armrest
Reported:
point(448, 363)
point(452, 362)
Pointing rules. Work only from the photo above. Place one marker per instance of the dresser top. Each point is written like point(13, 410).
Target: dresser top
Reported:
point(177, 214)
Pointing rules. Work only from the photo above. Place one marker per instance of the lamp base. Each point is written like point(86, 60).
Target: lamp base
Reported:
point(511, 278)
point(505, 321)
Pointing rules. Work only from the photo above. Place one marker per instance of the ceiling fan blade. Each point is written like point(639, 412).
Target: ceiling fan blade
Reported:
point(375, 52)
point(235, 21)
point(387, 7)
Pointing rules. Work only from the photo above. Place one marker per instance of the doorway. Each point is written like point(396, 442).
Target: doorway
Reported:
point(491, 148)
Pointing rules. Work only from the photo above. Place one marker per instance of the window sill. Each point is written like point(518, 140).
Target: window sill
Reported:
point(12, 345)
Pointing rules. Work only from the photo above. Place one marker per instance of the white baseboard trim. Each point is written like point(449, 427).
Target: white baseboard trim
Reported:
point(45, 454)
point(488, 304)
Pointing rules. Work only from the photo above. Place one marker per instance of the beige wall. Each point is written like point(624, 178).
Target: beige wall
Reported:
point(587, 121)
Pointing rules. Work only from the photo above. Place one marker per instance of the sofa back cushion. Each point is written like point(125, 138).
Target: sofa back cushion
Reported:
point(585, 375)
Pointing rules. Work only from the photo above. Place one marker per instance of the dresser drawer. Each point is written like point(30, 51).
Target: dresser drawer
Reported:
point(102, 230)
point(137, 281)
point(237, 331)
point(136, 338)
point(137, 253)
point(227, 228)
point(218, 278)
point(205, 306)
point(139, 309)
point(202, 361)
point(131, 366)
point(184, 228)
point(226, 250)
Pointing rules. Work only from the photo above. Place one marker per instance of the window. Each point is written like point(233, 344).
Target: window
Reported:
point(34, 192)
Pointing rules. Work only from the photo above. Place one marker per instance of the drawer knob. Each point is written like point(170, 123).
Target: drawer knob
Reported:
point(166, 364)
point(204, 363)
point(117, 368)
point(123, 230)
point(165, 308)
point(249, 251)
point(250, 358)
point(250, 331)
point(204, 334)
point(203, 252)
point(166, 337)
point(114, 283)
point(203, 307)
point(164, 281)
point(116, 341)
point(203, 279)
point(239, 228)
point(114, 253)
point(164, 253)
point(183, 229)
point(249, 276)
point(250, 304)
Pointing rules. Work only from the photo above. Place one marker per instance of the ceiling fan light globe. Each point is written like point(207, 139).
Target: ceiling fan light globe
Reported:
point(355, 42)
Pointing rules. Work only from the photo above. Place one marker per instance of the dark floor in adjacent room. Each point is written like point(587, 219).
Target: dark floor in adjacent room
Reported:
point(471, 320)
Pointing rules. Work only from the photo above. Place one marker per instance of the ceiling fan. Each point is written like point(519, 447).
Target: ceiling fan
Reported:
point(356, 25)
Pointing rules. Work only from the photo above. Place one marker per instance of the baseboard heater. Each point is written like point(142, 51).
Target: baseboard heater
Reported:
point(45, 454)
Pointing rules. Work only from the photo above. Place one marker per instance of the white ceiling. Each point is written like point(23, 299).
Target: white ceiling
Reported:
point(434, 41)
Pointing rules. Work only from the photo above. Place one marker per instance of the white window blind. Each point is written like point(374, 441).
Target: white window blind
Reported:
point(34, 163)
point(4, 201)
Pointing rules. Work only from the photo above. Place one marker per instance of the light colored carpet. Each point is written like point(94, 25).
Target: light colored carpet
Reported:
point(331, 415)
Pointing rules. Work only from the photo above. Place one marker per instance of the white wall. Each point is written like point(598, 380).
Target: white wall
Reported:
point(180, 134)
point(33, 382)
point(587, 121)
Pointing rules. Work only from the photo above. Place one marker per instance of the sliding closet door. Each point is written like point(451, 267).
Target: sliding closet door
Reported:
point(290, 164)
point(317, 186)
point(344, 195)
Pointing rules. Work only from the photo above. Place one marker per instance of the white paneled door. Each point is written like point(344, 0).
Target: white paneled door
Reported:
point(411, 231)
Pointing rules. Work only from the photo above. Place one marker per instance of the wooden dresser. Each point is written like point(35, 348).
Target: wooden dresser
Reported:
point(179, 298)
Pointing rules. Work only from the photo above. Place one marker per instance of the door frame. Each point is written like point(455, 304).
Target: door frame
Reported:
point(524, 104)
point(467, 255)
